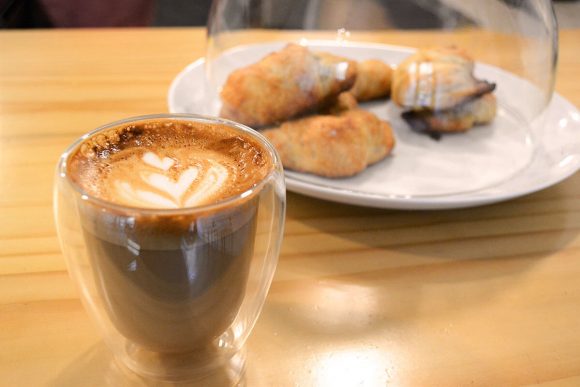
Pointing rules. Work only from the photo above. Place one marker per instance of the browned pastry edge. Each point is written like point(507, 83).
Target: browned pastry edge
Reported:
point(478, 111)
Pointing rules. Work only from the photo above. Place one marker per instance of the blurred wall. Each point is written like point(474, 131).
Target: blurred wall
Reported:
point(102, 13)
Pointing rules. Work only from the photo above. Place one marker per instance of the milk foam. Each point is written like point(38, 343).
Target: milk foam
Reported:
point(168, 164)
point(194, 186)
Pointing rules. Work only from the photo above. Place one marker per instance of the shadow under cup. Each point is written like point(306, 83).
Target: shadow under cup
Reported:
point(175, 292)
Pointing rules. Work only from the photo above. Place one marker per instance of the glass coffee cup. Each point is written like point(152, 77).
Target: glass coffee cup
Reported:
point(171, 227)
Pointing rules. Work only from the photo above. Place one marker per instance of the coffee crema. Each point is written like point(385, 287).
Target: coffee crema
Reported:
point(167, 164)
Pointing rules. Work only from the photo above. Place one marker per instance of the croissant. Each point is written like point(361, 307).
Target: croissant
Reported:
point(437, 79)
point(437, 88)
point(333, 146)
point(373, 80)
point(285, 84)
point(345, 101)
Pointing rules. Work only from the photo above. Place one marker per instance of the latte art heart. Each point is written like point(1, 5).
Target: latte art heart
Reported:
point(154, 160)
point(212, 181)
point(175, 189)
point(157, 189)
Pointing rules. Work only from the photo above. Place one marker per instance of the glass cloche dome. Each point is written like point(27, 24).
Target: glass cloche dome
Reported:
point(448, 97)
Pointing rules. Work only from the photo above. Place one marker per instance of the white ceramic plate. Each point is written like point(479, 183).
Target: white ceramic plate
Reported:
point(492, 163)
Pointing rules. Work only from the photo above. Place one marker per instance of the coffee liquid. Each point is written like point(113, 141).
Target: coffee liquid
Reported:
point(170, 282)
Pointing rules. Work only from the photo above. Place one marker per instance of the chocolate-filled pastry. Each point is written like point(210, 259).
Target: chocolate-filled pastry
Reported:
point(459, 119)
point(285, 84)
point(333, 146)
point(439, 92)
point(373, 80)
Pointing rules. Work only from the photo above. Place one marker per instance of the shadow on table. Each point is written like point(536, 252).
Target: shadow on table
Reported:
point(97, 367)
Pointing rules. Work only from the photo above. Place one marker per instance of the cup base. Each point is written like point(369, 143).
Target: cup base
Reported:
point(208, 367)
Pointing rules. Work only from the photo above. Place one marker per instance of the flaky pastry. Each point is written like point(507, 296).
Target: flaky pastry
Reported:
point(333, 146)
point(285, 84)
point(439, 92)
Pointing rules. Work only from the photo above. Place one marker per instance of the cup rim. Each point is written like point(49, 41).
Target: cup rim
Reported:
point(243, 196)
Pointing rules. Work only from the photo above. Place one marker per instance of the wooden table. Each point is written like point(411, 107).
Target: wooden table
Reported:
point(485, 296)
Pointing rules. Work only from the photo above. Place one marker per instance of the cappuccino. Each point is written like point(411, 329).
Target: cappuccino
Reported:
point(168, 164)
point(170, 281)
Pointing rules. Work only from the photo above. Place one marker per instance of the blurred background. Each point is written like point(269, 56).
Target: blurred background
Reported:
point(169, 13)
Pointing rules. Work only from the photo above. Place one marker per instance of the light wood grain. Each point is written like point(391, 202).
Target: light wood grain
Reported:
point(483, 296)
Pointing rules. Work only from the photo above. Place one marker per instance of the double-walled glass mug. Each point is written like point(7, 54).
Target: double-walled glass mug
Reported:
point(174, 274)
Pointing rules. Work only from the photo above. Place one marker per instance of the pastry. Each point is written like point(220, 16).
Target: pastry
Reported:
point(285, 84)
point(373, 80)
point(345, 101)
point(333, 146)
point(439, 93)
point(459, 119)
